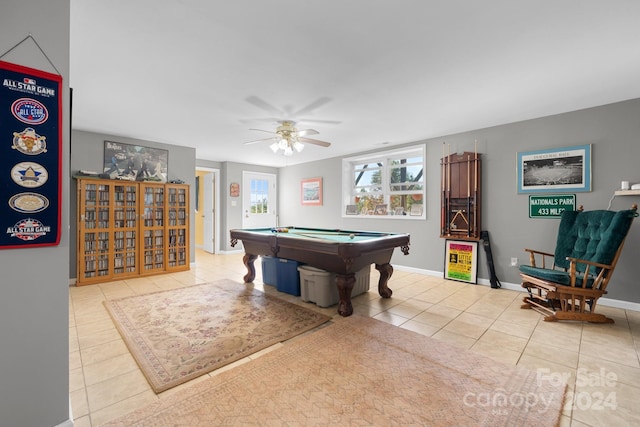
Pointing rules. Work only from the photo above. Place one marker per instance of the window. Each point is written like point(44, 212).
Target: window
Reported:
point(259, 196)
point(386, 184)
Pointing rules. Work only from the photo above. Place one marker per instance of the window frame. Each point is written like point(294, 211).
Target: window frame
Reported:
point(384, 159)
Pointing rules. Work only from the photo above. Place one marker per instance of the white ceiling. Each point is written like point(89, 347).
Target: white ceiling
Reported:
point(363, 73)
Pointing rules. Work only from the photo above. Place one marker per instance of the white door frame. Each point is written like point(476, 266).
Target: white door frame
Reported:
point(273, 198)
point(208, 213)
point(216, 206)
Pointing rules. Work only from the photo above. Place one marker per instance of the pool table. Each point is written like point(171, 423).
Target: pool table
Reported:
point(343, 252)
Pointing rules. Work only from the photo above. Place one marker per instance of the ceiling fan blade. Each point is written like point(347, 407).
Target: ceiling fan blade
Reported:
point(314, 142)
point(313, 106)
point(306, 132)
point(271, 120)
point(262, 130)
point(264, 105)
point(325, 122)
point(259, 140)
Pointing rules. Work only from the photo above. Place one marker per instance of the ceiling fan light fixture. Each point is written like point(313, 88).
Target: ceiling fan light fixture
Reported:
point(287, 138)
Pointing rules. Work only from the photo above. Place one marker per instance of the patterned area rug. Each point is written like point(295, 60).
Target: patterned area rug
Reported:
point(178, 335)
point(361, 371)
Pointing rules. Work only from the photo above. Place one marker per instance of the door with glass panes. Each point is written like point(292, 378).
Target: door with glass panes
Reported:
point(259, 200)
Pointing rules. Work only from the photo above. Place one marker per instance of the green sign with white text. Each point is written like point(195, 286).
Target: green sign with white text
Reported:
point(550, 206)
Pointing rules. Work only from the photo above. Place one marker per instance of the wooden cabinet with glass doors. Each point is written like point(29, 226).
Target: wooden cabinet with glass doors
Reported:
point(152, 228)
point(128, 229)
point(177, 226)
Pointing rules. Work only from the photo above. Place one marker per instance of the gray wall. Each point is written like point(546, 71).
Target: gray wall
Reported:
point(34, 293)
point(613, 132)
point(87, 152)
point(232, 215)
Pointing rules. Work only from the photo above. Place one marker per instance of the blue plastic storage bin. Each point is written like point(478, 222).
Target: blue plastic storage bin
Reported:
point(281, 273)
point(269, 270)
point(288, 279)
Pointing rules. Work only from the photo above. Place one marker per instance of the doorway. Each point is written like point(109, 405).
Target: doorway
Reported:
point(207, 216)
point(259, 203)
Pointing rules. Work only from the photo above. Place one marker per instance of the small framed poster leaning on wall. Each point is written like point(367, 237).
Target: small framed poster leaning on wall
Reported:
point(461, 261)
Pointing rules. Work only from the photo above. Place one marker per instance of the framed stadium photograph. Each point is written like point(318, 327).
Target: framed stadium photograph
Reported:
point(557, 170)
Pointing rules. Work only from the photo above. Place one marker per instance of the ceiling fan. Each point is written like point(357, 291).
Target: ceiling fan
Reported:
point(287, 138)
point(277, 114)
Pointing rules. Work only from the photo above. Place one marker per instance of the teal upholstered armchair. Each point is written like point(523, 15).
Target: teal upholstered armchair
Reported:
point(566, 285)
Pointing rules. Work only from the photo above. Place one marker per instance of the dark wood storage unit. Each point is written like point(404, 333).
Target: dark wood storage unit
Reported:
point(461, 190)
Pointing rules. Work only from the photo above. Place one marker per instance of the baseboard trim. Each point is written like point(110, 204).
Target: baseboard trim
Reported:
point(231, 252)
point(625, 305)
point(69, 422)
point(607, 302)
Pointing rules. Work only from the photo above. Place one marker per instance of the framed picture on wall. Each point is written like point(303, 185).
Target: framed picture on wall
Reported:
point(311, 191)
point(555, 170)
point(234, 189)
point(380, 210)
point(461, 260)
point(135, 162)
point(352, 210)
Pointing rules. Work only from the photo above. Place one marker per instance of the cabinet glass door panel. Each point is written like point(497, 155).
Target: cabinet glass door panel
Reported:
point(103, 254)
point(177, 240)
point(153, 228)
point(177, 248)
point(94, 247)
point(153, 253)
point(125, 223)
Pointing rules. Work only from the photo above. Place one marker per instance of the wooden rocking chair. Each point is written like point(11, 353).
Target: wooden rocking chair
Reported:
point(587, 250)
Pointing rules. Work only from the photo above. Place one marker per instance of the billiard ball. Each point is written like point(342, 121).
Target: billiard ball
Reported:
point(351, 236)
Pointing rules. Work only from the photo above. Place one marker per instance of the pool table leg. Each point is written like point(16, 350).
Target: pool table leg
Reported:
point(386, 270)
point(345, 286)
point(248, 260)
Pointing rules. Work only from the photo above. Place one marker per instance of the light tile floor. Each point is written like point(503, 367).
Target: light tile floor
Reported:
point(600, 363)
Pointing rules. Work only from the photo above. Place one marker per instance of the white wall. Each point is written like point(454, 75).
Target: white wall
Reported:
point(34, 312)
